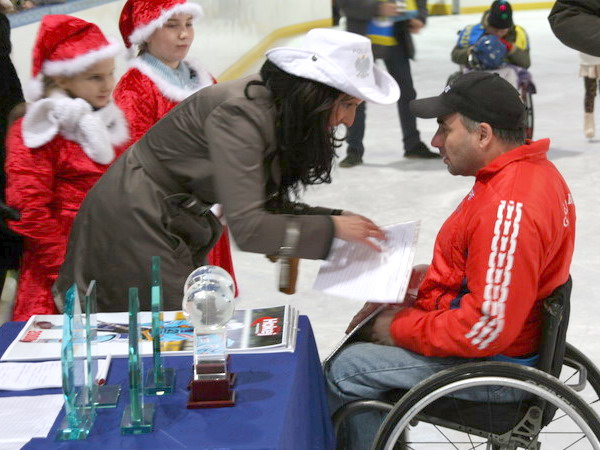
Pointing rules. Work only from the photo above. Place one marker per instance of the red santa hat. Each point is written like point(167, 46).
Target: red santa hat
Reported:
point(140, 18)
point(66, 46)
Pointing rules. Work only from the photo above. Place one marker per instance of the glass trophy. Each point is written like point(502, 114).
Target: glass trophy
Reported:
point(138, 418)
point(159, 380)
point(80, 411)
point(103, 395)
point(208, 305)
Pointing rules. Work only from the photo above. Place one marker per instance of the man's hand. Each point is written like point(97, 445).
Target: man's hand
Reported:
point(415, 25)
point(367, 309)
point(380, 330)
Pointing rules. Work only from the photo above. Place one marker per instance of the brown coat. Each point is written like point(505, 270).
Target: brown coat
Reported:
point(209, 148)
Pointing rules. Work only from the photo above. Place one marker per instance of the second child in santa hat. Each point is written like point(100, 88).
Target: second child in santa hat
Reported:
point(160, 76)
point(70, 134)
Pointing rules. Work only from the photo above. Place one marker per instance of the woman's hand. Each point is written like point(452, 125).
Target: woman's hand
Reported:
point(359, 229)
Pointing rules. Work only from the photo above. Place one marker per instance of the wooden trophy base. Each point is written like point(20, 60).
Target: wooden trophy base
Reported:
point(212, 393)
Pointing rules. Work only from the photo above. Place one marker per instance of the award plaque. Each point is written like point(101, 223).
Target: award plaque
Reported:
point(80, 411)
point(159, 380)
point(138, 418)
point(103, 396)
point(208, 305)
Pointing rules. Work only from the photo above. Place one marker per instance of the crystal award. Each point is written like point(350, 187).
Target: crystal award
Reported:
point(138, 418)
point(159, 380)
point(208, 305)
point(80, 411)
point(104, 395)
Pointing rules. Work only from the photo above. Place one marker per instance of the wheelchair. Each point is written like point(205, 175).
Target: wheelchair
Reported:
point(553, 406)
point(525, 86)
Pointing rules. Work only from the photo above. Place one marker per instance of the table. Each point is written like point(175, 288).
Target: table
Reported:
point(281, 403)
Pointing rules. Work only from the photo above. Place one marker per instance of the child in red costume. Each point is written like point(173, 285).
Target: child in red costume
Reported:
point(67, 139)
point(160, 77)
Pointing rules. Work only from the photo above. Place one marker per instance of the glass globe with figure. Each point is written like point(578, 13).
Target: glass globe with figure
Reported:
point(208, 305)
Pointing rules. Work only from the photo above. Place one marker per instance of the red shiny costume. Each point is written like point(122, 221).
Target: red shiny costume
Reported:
point(47, 185)
point(145, 98)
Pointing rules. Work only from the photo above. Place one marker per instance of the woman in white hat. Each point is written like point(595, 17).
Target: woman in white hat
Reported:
point(252, 145)
point(70, 134)
point(160, 76)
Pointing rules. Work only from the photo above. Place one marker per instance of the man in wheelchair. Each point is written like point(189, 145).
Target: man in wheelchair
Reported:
point(495, 44)
point(506, 247)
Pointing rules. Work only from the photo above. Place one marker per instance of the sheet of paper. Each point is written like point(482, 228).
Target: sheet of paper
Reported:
point(356, 271)
point(23, 418)
point(25, 376)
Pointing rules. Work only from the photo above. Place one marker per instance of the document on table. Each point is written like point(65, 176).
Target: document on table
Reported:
point(26, 376)
point(23, 418)
point(356, 271)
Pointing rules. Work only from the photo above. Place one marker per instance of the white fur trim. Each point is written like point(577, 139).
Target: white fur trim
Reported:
point(74, 119)
point(34, 89)
point(141, 34)
point(73, 66)
point(173, 93)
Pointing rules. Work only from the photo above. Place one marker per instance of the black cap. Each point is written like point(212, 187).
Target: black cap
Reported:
point(500, 15)
point(480, 96)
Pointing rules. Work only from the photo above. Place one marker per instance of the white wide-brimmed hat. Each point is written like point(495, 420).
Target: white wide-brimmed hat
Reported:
point(341, 60)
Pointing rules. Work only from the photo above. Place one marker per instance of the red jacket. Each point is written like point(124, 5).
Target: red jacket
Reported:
point(145, 97)
point(507, 246)
point(69, 149)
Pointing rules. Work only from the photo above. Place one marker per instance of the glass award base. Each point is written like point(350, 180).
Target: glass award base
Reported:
point(76, 429)
point(163, 384)
point(108, 396)
point(214, 393)
point(142, 426)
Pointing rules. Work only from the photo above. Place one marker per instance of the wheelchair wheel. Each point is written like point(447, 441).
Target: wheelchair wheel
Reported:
point(582, 375)
point(527, 97)
point(436, 414)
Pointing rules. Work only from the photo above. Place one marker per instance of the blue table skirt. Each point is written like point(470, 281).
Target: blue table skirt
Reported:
point(280, 404)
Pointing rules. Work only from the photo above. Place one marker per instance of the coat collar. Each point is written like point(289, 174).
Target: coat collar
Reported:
point(95, 131)
point(173, 93)
point(531, 150)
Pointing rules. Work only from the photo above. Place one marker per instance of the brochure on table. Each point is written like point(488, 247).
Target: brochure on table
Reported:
point(259, 330)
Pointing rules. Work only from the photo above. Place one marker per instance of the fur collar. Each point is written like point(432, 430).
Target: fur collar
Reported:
point(173, 93)
point(96, 131)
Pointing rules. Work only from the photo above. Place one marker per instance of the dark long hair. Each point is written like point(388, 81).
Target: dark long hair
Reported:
point(305, 142)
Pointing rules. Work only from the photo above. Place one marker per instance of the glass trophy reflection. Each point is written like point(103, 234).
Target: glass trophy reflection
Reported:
point(80, 411)
point(208, 305)
point(138, 418)
point(159, 379)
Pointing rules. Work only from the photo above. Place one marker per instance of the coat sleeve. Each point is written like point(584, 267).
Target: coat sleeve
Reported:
point(504, 254)
point(238, 154)
point(519, 55)
point(30, 180)
point(576, 23)
point(138, 103)
point(359, 9)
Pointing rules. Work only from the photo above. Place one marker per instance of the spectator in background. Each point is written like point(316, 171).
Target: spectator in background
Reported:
point(577, 24)
point(495, 44)
point(10, 95)
point(160, 77)
point(389, 26)
point(68, 137)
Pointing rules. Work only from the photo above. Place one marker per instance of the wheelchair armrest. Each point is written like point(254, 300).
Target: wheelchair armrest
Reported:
point(581, 369)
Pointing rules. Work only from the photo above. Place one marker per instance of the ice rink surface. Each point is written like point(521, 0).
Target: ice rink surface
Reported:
point(388, 188)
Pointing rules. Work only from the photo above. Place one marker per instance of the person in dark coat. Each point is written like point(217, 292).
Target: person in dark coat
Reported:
point(577, 24)
point(11, 95)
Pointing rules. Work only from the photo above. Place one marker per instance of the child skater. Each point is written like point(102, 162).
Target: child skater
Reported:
point(159, 76)
point(55, 153)
point(590, 71)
